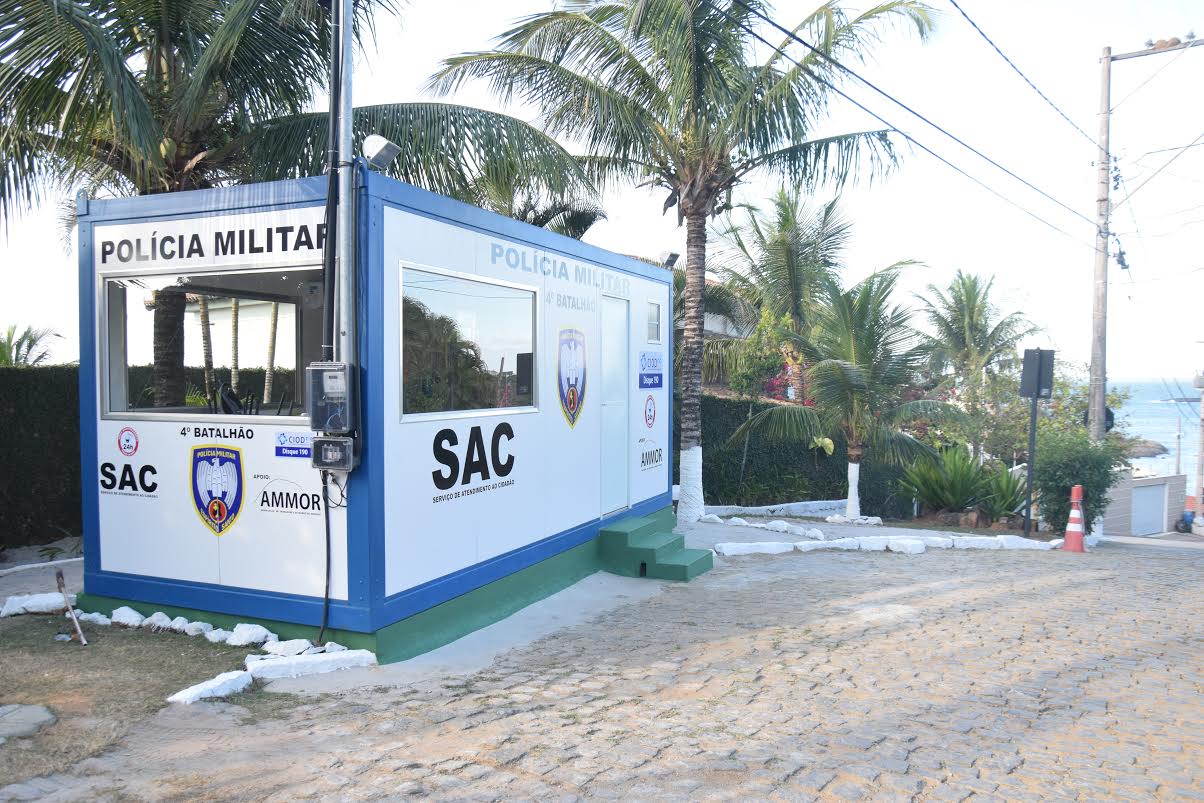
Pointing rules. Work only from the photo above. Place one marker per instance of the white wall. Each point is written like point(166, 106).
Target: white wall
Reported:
point(556, 483)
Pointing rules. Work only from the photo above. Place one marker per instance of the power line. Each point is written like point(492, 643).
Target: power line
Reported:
point(901, 133)
point(1165, 165)
point(1165, 150)
point(1028, 81)
point(1151, 78)
point(901, 104)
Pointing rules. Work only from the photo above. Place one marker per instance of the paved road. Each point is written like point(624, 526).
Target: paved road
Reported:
point(837, 676)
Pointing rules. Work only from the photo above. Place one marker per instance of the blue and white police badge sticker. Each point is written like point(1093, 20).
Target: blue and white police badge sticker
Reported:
point(570, 374)
point(217, 485)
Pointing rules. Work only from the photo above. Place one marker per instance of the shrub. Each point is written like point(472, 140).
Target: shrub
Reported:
point(781, 471)
point(1069, 458)
point(953, 481)
point(1003, 494)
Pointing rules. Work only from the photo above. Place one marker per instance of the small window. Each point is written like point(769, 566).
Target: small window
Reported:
point(466, 345)
point(224, 343)
point(654, 322)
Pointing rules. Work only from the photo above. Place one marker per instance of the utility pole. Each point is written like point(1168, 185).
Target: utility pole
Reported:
point(1097, 390)
point(1198, 521)
point(1179, 446)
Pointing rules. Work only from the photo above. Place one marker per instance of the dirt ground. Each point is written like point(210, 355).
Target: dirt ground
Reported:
point(99, 692)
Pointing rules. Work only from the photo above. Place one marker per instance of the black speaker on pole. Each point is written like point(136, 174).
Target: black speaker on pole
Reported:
point(1036, 378)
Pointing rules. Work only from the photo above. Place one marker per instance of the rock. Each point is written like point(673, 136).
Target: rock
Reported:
point(255, 658)
point(737, 521)
point(315, 650)
point(908, 546)
point(217, 636)
point(127, 617)
point(179, 624)
point(755, 548)
point(711, 518)
point(291, 647)
point(835, 543)
point(936, 541)
point(814, 532)
point(869, 521)
point(873, 543)
point(1020, 542)
point(24, 720)
point(157, 621)
point(972, 519)
point(779, 526)
point(1056, 543)
point(95, 618)
point(35, 603)
point(245, 635)
point(197, 628)
point(332, 646)
point(297, 665)
point(223, 685)
point(975, 542)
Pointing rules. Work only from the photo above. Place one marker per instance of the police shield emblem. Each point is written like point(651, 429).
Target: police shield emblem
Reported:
point(217, 485)
point(570, 374)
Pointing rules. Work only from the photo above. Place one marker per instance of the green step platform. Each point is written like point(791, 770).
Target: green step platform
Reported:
point(645, 546)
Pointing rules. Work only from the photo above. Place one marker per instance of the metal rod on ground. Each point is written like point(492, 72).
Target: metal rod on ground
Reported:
point(79, 633)
point(1032, 459)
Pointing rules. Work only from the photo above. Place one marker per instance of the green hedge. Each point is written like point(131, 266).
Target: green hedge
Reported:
point(39, 480)
point(781, 471)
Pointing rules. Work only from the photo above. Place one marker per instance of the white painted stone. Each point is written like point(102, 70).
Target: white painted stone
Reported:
point(779, 526)
point(297, 665)
point(127, 617)
point(755, 548)
point(1056, 543)
point(197, 628)
point(217, 636)
point(936, 541)
point(223, 685)
point(95, 618)
point(179, 624)
point(711, 518)
point(334, 646)
point(245, 635)
point(294, 646)
point(867, 521)
point(873, 543)
point(835, 543)
point(809, 508)
point(314, 651)
point(908, 546)
point(975, 542)
point(255, 658)
point(157, 621)
point(35, 603)
point(1020, 542)
point(814, 532)
point(736, 521)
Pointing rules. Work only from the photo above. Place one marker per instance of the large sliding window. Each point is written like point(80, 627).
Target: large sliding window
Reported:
point(220, 343)
point(466, 344)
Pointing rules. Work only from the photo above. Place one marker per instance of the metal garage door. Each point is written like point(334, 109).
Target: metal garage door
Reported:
point(1149, 509)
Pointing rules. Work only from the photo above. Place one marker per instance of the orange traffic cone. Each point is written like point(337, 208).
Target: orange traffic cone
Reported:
point(1074, 526)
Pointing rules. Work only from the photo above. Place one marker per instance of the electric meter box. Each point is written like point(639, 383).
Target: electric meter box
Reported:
point(328, 385)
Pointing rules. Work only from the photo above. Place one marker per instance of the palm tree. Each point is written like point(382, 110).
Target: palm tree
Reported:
point(778, 262)
point(273, 325)
point(25, 349)
point(670, 93)
point(234, 345)
point(863, 354)
point(140, 98)
point(970, 342)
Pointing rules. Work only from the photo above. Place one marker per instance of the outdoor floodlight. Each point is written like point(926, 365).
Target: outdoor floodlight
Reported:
point(669, 258)
point(379, 152)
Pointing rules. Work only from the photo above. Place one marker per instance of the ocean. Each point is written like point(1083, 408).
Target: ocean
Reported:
point(1153, 413)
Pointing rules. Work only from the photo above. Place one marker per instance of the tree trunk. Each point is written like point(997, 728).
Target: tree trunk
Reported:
point(168, 384)
point(234, 345)
point(747, 433)
point(206, 345)
point(267, 375)
point(690, 505)
point(797, 380)
point(853, 506)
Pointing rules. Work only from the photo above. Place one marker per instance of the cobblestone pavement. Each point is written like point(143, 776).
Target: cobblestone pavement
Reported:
point(842, 676)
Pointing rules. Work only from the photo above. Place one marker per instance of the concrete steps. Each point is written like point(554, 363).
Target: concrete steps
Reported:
point(645, 546)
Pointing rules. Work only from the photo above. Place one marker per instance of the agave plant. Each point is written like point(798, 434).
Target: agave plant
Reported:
point(952, 481)
point(1003, 494)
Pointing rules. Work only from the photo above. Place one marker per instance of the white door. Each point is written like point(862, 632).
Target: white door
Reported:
point(1149, 509)
point(614, 404)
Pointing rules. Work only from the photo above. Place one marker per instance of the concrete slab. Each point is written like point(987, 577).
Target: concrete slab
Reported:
point(24, 720)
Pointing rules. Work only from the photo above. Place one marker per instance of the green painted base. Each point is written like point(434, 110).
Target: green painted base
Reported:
point(491, 603)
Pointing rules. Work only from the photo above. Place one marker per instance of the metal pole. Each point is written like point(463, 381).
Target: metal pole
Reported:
point(1179, 447)
point(1032, 460)
point(345, 253)
point(1097, 391)
point(1198, 522)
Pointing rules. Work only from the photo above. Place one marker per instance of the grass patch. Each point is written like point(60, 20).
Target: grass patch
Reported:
point(99, 692)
